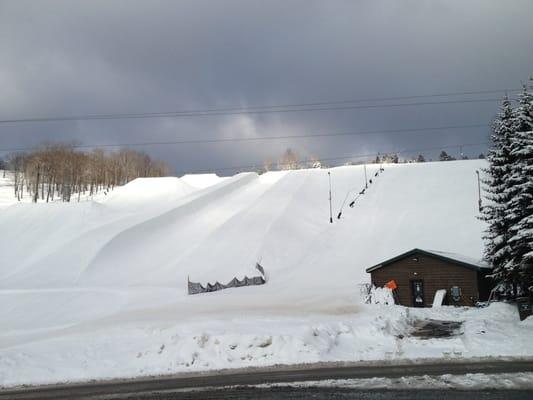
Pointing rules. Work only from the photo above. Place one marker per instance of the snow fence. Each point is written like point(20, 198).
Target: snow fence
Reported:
point(196, 287)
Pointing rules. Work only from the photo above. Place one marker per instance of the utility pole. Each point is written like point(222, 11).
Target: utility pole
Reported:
point(366, 180)
point(479, 191)
point(330, 207)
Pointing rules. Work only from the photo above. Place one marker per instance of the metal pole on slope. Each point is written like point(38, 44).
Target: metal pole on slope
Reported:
point(366, 180)
point(479, 191)
point(330, 207)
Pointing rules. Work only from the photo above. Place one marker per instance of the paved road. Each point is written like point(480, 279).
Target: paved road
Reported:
point(161, 388)
point(334, 394)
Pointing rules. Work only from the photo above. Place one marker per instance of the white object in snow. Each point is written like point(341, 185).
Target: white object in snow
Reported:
point(439, 297)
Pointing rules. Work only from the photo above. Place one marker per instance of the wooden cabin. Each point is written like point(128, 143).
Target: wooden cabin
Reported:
point(418, 274)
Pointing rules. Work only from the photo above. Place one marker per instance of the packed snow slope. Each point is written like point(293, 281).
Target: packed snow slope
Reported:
point(98, 288)
point(157, 232)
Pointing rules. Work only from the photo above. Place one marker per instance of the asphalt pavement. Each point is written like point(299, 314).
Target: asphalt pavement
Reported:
point(335, 394)
point(214, 385)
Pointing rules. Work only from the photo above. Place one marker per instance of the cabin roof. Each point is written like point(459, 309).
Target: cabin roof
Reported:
point(454, 258)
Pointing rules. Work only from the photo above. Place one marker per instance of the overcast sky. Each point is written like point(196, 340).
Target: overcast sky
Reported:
point(61, 58)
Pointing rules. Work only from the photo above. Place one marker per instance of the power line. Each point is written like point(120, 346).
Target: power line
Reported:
point(351, 157)
point(179, 114)
point(286, 108)
point(258, 138)
point(378, 99)
point(353, 101)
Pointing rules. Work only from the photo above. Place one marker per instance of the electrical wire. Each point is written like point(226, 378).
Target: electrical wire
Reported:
point(257, 138)
point(284, 108)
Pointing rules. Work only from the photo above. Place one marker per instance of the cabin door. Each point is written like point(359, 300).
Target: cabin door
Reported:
point(417, 293)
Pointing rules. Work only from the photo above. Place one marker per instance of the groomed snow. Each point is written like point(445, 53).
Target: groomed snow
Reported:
point(98, 289)
point(201, 181)
point(144, 192)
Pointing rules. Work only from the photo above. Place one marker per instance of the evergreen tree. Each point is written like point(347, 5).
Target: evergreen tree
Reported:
point(443, 156)
point(497, 250)
point(519, 210)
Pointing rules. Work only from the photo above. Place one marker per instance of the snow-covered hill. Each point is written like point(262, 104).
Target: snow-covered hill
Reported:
point(158, 231)
point(105, 282)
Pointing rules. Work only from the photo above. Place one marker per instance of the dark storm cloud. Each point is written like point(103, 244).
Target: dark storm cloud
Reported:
point(89, 57)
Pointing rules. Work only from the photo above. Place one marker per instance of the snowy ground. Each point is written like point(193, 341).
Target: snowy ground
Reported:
point(7, 195)
point(98, 289)
point(6, 189)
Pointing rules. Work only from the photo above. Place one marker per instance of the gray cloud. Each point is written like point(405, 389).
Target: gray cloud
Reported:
point(89, 57)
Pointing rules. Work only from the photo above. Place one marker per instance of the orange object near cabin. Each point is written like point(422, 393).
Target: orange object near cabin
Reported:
point(391, 285)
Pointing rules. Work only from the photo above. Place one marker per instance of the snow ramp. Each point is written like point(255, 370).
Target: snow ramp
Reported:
point(148, 192)
point(52, 244)
point(136, 255)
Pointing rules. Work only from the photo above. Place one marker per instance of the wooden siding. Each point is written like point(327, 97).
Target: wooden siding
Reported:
point(436, 274)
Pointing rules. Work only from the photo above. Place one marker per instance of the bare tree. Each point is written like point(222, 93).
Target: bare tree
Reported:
point(314, 162)
point(289, 160)
point(60, 170)
point(268, 163)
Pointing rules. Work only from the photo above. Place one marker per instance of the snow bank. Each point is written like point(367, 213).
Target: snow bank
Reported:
point(149, 342)
point(506, 381)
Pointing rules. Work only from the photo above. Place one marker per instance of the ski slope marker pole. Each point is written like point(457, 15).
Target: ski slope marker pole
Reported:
point(479, 191)
point(330, 207)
